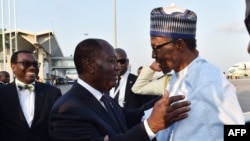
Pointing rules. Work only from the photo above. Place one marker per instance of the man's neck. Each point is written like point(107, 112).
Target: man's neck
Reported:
point(186, 60)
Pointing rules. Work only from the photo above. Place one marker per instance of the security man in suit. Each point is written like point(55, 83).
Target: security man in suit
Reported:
point(122, 92)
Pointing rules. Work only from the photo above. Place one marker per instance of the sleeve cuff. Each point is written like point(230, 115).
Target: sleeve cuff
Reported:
point(150, 133)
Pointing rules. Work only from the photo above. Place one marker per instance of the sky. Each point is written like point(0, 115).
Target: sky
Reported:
point(221, 35)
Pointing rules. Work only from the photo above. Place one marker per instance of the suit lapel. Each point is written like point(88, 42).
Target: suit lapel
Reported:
point(39, 100)
point(119, 115)
point(90, 100)
point(129, 85)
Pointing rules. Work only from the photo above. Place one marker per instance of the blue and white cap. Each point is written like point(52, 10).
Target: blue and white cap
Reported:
point(173, 22)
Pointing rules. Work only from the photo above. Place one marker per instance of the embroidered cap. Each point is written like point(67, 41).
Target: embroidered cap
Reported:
point(172, 22)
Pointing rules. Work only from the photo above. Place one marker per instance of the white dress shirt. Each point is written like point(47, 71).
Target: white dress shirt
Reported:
point(27, 102)
point(121, 89)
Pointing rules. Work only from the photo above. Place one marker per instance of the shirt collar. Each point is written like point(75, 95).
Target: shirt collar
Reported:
point(125, 75)
point(19, 82)
point(97, 94)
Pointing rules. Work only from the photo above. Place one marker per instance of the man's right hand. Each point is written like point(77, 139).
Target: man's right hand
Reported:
point(168, 110)
point(155, 66)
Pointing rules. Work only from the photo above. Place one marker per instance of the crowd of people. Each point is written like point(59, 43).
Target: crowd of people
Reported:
point(108, 103)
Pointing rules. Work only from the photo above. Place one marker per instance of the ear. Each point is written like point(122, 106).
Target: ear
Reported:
point(89, 65)
point(180, 44)
point(13, 67)
point(127, 61)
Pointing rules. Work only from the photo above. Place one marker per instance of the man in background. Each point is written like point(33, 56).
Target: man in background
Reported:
point(139, 70)
point(247, 21)
point(147, 84)
point(247, 24)
point(4, 78)
point(122, 92)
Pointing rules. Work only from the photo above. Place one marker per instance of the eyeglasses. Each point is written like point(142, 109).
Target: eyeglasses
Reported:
point(122, 61)
point(27, 64)
point(162, 45)
point(247, 23)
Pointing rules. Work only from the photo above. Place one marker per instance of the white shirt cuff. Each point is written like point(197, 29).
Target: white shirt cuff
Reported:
point(150, 133)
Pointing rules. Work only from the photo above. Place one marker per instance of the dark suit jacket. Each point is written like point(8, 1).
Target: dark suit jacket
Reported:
point(133, 100)
point(13, 125)
point(1, 84)
point(79, 116)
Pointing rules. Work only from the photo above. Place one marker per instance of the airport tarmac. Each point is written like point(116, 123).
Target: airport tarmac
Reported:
point(242, 90)
point(64, 87)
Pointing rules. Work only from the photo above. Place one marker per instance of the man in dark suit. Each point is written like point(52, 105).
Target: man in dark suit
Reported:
point(247, 20)
point(122, 92)
point(4, 78)
point(24, 103)
point(86, 112)
point(247, 24)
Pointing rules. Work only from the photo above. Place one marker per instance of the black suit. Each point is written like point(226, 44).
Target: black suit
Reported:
point(13, 125)
point(2, 84)
point(133, 100)
point(79, 116)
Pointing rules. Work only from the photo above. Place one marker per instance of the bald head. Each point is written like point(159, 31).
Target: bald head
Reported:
point(121, 52)
point(122, 60)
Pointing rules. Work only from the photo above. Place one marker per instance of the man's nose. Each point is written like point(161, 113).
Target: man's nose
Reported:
point(153, 54)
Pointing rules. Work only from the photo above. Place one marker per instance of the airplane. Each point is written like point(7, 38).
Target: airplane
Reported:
point(239, 70)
